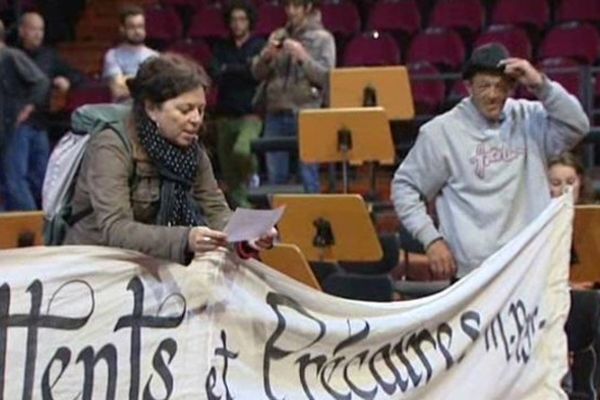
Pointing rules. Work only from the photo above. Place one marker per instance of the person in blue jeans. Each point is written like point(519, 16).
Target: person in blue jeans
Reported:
point(24, 166)
point(23, 88)
point(286, 124)
point(28, 150)
point(294, 69)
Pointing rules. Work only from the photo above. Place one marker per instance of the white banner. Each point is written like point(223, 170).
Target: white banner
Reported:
point(101, 323)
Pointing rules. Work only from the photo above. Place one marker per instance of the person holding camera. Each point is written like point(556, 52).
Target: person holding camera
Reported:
point(486, 161)
point(293, 69)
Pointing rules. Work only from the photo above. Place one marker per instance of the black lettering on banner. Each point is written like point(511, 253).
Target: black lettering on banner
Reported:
point(211, 378)
point(361, 393)
point(273, 353)
point(63, 355)
point(416, 341)
point(410, 362)
point(89, 359)
point(495, 329)
point(412, 374)
point(469, 322)
point(168, 346)
point(326, 378)
point(33, 321)
point(526, 329)
point(136, 321)
point(519, 343)
point(388, 387)
point(304, 362)
point(445, 330)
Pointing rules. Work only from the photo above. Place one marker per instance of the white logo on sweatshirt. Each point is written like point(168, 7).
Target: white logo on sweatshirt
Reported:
point(484, 157)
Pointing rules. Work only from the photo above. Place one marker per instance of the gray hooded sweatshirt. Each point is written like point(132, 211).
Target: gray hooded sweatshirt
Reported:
point(490, 178)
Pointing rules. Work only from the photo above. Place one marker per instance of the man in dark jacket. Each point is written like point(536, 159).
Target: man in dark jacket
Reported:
point(23, 88)
point(237, 125)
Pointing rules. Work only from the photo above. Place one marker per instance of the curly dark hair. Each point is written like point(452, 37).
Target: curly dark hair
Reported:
point(165, 77)
point(244, 5)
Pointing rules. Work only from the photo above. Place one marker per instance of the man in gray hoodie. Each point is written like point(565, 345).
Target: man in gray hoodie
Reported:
point(294, 70)
point(485, 160)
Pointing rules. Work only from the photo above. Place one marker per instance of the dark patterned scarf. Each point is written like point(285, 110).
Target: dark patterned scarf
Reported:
point(177, 168)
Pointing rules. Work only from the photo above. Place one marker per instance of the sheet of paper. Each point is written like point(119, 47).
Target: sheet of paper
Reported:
point(246, 224)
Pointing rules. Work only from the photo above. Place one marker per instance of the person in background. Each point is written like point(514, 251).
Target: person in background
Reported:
point(237, 124)
point(161, 198)
point(123, 61)
point(583, 322)
point(294, 70)
point(29, 148)
point(23, 89)
point(486, 161)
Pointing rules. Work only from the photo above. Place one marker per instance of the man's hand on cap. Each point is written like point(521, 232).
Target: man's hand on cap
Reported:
point(523, 72)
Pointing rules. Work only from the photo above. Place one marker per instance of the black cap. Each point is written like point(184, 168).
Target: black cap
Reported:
point(485, 58)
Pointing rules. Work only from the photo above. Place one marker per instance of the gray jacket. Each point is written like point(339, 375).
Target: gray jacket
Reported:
point(490, 180)
point(21, 83)
point(293, 86)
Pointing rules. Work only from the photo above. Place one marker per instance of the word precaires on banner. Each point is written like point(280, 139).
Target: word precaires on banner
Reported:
point(92, 322)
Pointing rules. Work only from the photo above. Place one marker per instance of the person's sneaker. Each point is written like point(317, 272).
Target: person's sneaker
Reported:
point(254, 181)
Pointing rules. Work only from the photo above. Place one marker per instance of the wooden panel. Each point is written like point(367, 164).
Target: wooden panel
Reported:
point(24, 227)
point(586, 241)
point(289, 260)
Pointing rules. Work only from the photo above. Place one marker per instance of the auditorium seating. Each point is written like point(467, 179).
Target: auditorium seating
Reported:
point(440, 47)
point(208, 24)
point(270, 17)
point(371, 49)
point(428, 88)
point(514, 38)
point(162, 26)
point(92, 92)
point(197, 49)
point(579, 41)
point(532, 14)
point(465, 16)
point(565, 71)
point(341, 19)
point(578, 10)
point(400, 18)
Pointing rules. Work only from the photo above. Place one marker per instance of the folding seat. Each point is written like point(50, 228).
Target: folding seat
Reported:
point(458, 91)
point(341, 19)
point(95, 28)
point(578, 10)
point(533, 14)
point(565, 71)
point(270, 17)
point(196, 49)
point(93, 92)
point(86, 57)
point(514, 38)
point(466, 16)
point(208, 23)
point(427, 86)
point(581, 42)
point(181, 3)
point(441, 47)
point(401, 18)
point(162, 26)
point(371, 49)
